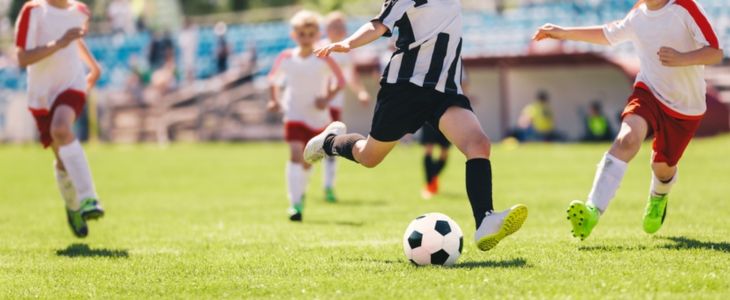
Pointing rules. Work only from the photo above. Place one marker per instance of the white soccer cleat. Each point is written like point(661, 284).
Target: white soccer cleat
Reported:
point(497, 226)
point(314, 150)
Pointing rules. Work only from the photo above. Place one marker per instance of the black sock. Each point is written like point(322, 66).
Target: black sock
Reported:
point(429, 167)
point(479, 187)
point(341, 145)
point(438, 167)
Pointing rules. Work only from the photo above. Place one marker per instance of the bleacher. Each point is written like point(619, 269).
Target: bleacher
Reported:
point(486, 34)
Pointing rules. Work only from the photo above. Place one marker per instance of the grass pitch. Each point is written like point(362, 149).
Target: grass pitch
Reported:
point(208, 221)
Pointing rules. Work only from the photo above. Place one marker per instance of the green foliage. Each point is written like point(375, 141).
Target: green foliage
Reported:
point(209, 222)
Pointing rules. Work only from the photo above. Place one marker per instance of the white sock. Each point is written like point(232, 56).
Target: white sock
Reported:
point(77, 167)
point(330, 171)
point(66, 187)
point(608, 178)
point(294, 175)
point(307, 174)
point(659, 188)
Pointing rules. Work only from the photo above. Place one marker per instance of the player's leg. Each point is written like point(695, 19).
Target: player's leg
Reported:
point(297, 178)
point(609, 174)
point(330, 165)
point(334, 141)
point(463, 129)
point(669, 145)
point(429, 167)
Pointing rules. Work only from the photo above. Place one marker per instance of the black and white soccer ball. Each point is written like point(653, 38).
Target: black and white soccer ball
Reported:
point(433, 239)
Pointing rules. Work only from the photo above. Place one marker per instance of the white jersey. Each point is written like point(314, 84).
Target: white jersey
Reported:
point(429, 43)
point(346, 63)
point(683, 26)
point(304, 80)
point(39, 24)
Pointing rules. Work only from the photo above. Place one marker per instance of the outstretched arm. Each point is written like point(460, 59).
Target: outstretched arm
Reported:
point(593, 34)
point(363, 36)
point(32, 56)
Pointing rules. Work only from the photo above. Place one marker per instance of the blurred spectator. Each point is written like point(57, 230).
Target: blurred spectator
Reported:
point(224, 50)
point(121, 16)
point(536, 121)
point(187, 40)
point(163, 80)
point(161, 45)
point(597, 127)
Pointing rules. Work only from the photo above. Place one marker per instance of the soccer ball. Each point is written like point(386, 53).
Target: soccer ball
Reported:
point(433, 239)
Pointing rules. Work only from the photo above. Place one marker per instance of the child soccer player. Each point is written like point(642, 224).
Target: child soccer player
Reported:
point(422, 84)
point(305, 100)
point(336, 29)
point(674, 41)
point(49, 42)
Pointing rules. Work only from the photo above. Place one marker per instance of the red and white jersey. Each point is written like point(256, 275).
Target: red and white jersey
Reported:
point(346, 63)
point(304, 80)
point(683, 26)
point(39, 24)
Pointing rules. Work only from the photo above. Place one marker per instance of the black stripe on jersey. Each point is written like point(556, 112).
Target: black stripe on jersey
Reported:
point(408, 64)
point(437, 61)
point(420, 2)
point(451, 87)
point(406, 37)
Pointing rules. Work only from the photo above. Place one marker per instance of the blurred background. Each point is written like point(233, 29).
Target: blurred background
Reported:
point(194, 70)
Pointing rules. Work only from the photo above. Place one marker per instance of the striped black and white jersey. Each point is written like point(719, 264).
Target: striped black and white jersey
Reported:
point(428, 44)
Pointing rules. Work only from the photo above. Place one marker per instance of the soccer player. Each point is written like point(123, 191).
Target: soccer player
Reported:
point(422, 84)
point(674, 41)
point(305, 100)
point(336, 29)
point(49, 42)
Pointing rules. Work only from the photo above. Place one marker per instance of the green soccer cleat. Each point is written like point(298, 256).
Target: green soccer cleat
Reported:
point(583, 218)
point(655, 213)
point(91, 209)
point(77, 223)
point(329, 195)
point(295, 212)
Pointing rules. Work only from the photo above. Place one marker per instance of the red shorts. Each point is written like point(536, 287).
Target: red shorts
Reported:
point(299, 132)
point(671, 134)
point(72, 98)
point(336, 114)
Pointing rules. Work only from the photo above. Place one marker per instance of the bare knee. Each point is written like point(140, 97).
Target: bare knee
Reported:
point(663, 171)
point(479, 147)
point(62, 133)
point(626, 146)
point(370, 162)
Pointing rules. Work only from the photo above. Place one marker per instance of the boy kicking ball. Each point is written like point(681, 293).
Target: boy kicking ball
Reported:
point(674, 41)
point(305, 100)
point(422, 84)
point(49, 42)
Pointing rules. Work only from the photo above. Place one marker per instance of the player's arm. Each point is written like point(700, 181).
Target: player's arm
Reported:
point(592, 34)
point(703, 56)
point(90, 61)
point(363, 36)
point(27, 57)
point(273, 104)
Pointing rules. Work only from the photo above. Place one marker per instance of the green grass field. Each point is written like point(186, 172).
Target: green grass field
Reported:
point(208, 221)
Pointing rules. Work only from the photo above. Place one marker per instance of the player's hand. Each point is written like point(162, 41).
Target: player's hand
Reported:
point(321, 103)
point(70, 36)
point(549, 31)
point(341, 47)
point(273, 106)
point(670, 57)
point(364, 97)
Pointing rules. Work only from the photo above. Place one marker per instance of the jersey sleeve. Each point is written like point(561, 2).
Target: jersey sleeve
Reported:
point(698, 24)
point(620, 31)
point(393, 10)
point(26, 28)
point(276, 76)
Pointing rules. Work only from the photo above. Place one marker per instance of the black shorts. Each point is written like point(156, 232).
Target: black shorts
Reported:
point(403, 108)
point(433, 136)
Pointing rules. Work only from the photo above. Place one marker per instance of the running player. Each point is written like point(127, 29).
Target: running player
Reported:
point(305, 100)
point(49, 42)
point(674, 41)
point(422, 84)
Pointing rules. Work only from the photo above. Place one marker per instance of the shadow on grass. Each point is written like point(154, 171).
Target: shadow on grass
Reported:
point(83, 250)
point(684, 243)
point(489, 264)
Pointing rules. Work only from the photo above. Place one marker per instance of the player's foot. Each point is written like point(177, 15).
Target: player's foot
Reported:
point(329, 195)
point(496, 226)
point(583, 218)
point(656, 211)
point(431, 189)
point(295, 213)
point(77, 223)
point(314, 150)
point(426, 193)
point(91, 209)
